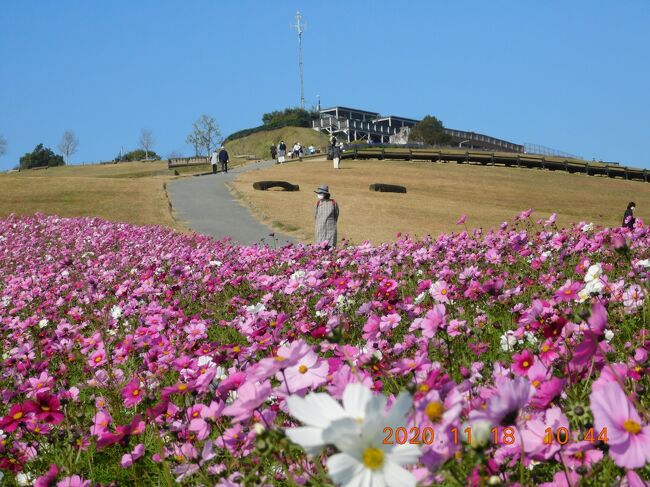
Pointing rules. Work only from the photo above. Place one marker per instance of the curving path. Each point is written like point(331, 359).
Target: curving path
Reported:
point(205, 203)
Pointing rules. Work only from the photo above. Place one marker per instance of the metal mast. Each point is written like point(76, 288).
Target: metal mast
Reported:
point(300, 27)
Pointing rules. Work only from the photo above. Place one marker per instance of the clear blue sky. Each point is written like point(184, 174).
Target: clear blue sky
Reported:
point(574, 75)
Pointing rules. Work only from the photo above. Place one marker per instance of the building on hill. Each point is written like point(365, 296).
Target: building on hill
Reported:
point(354, 124)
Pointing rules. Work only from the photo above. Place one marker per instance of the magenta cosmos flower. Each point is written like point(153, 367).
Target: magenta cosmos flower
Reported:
point(627, 437)
point(132, 393)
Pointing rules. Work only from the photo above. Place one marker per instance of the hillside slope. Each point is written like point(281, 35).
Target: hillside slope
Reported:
point(258, 144)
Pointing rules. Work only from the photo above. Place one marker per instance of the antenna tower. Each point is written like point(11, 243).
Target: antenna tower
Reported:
point(300, 28)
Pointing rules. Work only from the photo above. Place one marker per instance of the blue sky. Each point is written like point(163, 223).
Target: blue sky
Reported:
point(574, 76)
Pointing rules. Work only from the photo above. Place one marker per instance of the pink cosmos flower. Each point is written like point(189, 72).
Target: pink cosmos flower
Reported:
point(633, 297)
point(48, 408)
point(627, 437)
point(504, 407)
point(569, 291)
point(461, 220)
point(73, 481)
point(17, 415)
point(122, 433)
point(523, 361)
point(432, 321)
point(308, 372)
point(389, 322)
point(133, 393)
point(581, 454)
point(49, 478)
point(97, 358)
point(440, 291)
point(249, 397)
point(534, 432)
point(101, 421)
point(129, 458)
point(42, 383)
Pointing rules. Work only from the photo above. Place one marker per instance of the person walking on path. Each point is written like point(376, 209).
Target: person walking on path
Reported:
point(336, 156)
point(223, 158)
point(282, 151)
point(326, 216)
point(628, 217)
point(213, 160)
point(274, 152)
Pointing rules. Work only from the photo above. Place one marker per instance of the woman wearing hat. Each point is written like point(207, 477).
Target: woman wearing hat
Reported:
point(326, 216)
point(628, 217)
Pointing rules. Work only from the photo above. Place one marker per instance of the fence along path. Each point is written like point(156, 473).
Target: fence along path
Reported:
point(509, 159)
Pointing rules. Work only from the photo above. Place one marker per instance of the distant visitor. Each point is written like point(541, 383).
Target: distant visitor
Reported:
point(282, 152)
point(223, 158)
point(628, 217)
point(326, 215)
point(274, 152)
point(336, 155)
point(213, 160)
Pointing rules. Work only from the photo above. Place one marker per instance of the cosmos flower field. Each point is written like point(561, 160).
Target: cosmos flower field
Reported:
point(140, 356)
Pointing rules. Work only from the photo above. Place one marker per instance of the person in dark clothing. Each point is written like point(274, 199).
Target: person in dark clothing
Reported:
point(628, 217)
point(274, 152)
point(223, 158)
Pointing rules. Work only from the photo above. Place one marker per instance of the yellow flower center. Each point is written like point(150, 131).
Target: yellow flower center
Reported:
point(567, 291)
point(424, 387)
point(303, 369)
point(98, 359)
point(18, 415)
point(45, 408)
point(631, 426)
point(536, 383)
point(279, 358)
point(545, 348)
point(434, 411)
point(443, 292)
point(526, 363)
point(236, 349)
point(373, 458)
point(182, 387)
point(136, 392)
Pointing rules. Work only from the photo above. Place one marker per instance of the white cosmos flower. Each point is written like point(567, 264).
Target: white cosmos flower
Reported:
point(508, 341)
point(594, 272)
point(116, 312)
point(588, 227)
point(420, 297)
point(357, 429)
point(43, 323)
point(609, 334)
point(319, 410)
point(257, 308)
point(643, 263)
point(365, 460)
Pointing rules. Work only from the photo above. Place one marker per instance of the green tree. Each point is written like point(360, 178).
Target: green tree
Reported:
point(41, 157)
point(429, 131)
point(138, 155)
point(293, 117)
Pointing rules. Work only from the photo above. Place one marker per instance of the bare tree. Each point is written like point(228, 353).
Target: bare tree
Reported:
point(146, 141)
point(205, 135)
point(3, 146)
point(195, 141)
point(68, 145)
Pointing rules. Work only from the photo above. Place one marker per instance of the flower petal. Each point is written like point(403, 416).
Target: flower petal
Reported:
point(316, 409)
point(397, 476)
point(342, 468)
point(355, 398)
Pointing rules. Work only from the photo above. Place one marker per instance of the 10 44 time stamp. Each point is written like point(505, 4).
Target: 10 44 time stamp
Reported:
point(498, 436)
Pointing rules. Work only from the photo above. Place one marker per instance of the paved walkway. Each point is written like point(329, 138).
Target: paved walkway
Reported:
point(206, 205)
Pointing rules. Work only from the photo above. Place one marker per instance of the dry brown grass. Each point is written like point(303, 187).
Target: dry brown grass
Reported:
point(437, 195)
point(128, 192)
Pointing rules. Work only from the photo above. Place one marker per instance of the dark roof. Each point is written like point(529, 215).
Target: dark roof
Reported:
point(349, 110)
point(406, 119)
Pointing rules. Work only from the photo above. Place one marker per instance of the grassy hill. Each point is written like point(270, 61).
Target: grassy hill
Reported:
point(258, 144)
point(438, 194)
